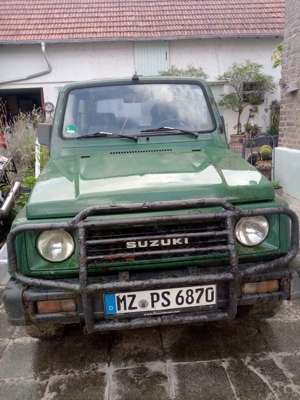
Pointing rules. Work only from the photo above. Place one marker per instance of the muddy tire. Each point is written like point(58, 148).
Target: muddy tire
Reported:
point(260, 310)
point(45, 331)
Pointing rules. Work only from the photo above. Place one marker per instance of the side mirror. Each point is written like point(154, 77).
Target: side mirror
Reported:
point(44, 134)
point(223, 126)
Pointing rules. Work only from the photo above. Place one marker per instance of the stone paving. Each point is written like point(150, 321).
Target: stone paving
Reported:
point(240, 360)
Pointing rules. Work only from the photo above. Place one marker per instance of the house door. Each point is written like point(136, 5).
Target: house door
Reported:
point(151, 58)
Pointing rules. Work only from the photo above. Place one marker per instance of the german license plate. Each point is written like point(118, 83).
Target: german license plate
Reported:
point(159, 300)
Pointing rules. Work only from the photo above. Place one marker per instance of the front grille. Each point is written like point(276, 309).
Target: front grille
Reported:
point(139, 242)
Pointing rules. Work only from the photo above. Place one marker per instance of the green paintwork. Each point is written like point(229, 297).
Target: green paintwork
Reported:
point(106, 171)
point(71, 183)
point(34, 265)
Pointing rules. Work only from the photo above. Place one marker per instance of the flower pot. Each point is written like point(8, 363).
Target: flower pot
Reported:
point(237, 143)
point(267, 172)
point(279, 191)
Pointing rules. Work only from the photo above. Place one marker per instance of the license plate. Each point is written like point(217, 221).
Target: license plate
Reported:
point(159, 300)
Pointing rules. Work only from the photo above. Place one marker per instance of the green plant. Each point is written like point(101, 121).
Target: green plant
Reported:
point(252, 130)
point(277, 55)
point(20, 135)
point(20, 202)
point(190, 71)
point(4, 188)
point(249, 85)
point(22, 198)
point(276, 185)
point(265, 152)
point(274, 118)
point(21, 138)
point(29, 181)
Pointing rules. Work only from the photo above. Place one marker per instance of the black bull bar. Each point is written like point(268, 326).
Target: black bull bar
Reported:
point(233, 274)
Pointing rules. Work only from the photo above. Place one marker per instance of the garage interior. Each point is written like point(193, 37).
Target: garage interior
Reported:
point(13, 101)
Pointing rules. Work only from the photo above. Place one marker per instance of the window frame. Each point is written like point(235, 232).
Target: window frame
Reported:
point(179, 81)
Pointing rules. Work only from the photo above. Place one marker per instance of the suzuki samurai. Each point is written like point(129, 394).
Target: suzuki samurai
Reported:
point(143, 217)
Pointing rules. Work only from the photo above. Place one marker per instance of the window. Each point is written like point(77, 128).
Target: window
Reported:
point(132, 108)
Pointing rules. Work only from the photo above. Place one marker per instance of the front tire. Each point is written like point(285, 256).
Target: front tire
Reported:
point(259, 310)
point(45, 332)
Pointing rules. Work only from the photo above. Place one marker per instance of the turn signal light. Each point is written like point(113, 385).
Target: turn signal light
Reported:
point(260, 287)
point(56, 306)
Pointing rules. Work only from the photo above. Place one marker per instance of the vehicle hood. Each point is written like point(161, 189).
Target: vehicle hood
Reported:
point(70, 184)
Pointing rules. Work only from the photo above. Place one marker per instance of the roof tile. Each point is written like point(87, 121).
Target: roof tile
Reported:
point(52, 20)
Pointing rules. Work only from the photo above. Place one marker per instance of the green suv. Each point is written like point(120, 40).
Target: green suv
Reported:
point(143, 217)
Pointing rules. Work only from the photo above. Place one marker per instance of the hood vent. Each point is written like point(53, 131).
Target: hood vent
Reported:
point(141, 151)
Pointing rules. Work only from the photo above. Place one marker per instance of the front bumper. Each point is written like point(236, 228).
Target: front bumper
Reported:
point(88, 291)
point(20, 301)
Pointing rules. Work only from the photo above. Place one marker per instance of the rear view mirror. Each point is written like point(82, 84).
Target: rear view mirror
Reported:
point(44, 134)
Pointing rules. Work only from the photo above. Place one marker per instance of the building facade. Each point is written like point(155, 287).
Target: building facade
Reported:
point(127, 39)
point(287, 155)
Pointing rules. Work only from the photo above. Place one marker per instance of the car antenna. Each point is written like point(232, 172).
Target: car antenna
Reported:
point(135, 77)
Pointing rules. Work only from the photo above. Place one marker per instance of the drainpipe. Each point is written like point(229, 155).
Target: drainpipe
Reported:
point(37, 74)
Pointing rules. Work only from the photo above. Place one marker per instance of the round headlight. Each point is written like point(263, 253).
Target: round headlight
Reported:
point(252, 231)
point(56, 245)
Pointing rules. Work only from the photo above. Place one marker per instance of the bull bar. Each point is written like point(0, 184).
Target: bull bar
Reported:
point(233, 275)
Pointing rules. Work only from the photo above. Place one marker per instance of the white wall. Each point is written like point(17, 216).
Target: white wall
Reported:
point(217, 55)
point(70, 62)
point(287, 167)
point(85, 61)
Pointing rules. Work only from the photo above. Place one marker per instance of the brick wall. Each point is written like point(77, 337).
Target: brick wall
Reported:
point(290, 110)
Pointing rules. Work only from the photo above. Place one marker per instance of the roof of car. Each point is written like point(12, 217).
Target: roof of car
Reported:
point(133, 80)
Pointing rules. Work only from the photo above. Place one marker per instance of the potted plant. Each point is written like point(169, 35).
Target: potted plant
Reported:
point(264, 164)
point(277, 187)
point(248, 86)
point(274, 121)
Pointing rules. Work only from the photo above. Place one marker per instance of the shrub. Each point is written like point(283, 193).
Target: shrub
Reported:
point(190, 71)
point(274, 118)
point(248, 84)
point(251, 129)
point(265, 152)
point(23, 196)
point(20, 137)
point(276, 185)
point(277, 55)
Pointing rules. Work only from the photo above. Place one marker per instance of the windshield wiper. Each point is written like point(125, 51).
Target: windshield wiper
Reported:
point(107, 134)
point(170, 129)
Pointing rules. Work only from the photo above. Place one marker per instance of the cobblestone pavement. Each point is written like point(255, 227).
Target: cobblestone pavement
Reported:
point(239, 360)
point(234, 360)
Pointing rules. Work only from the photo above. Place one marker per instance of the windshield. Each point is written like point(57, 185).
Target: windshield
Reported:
point(130, 109)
